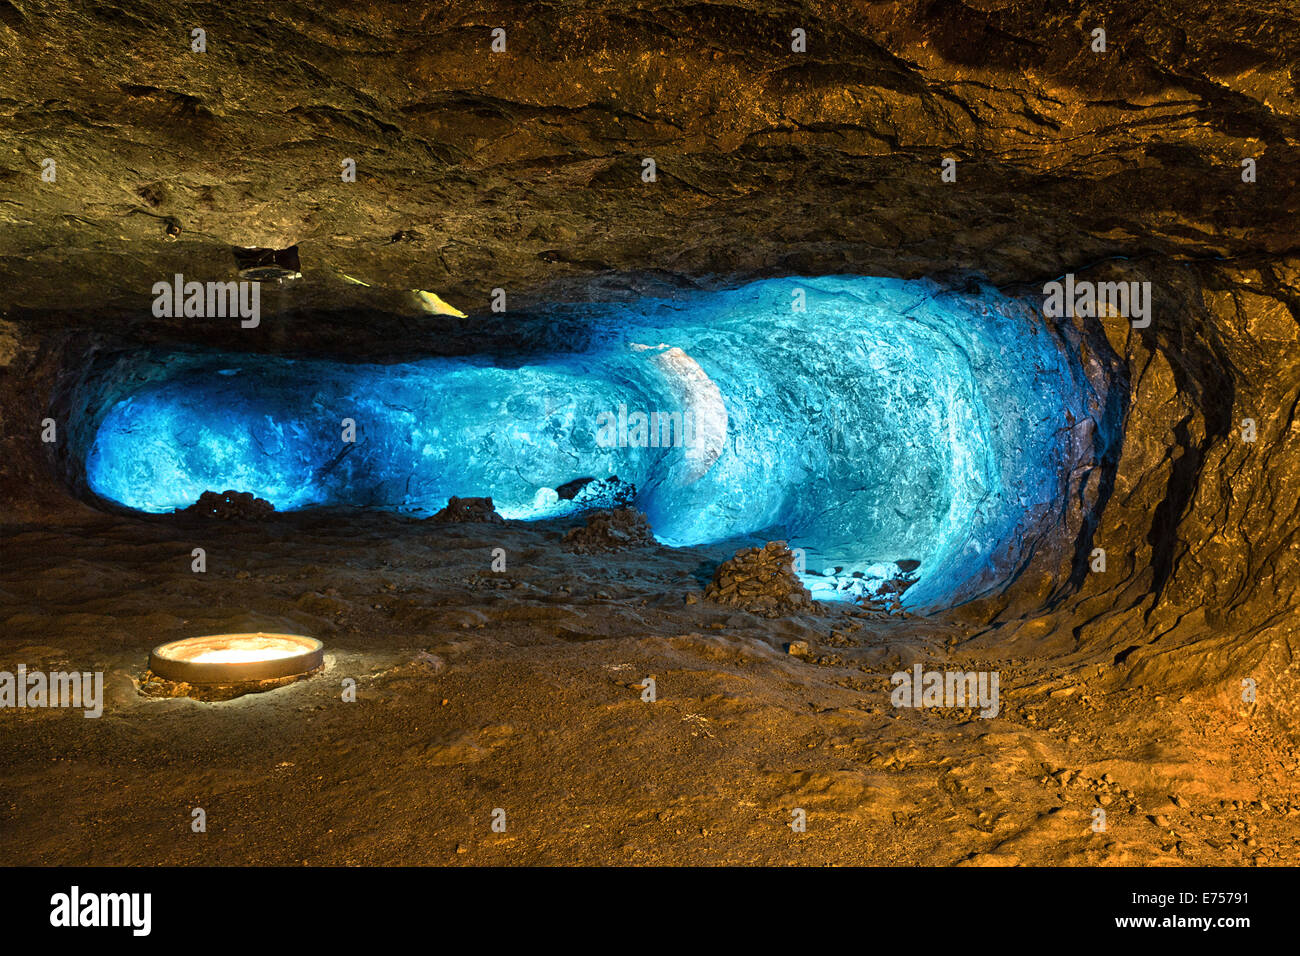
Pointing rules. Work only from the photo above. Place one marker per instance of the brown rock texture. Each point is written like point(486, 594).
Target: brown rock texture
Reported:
point(611, 531)
point(522, 170)
point(761, 580)
point(230, 505)
point(468, 510)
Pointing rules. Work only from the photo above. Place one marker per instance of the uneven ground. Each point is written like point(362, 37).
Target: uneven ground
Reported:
point(521, 691)
point(521, 170)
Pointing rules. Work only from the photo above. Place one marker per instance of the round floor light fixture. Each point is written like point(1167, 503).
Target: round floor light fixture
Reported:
point(234, 658)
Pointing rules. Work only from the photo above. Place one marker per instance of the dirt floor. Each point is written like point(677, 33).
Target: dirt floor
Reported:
point(522, 691)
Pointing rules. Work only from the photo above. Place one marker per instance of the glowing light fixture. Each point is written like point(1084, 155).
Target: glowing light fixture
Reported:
point(231, 658)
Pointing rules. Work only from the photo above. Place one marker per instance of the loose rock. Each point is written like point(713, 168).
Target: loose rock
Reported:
point(468, 510)
point(229, 505)
point(611, 531)
point(761, 581)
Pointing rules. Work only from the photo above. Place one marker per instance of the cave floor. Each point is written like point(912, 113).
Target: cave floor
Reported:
point(522, 691)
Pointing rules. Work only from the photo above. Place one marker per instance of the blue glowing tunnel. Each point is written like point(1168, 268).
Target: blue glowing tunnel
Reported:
point(866, 420)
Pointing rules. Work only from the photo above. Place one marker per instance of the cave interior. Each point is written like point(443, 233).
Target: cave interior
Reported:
point(666, 287)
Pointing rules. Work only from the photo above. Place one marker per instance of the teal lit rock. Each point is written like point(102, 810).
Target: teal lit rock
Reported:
point(866, 421)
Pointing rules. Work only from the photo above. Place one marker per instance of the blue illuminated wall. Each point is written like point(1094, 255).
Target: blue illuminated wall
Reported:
point(867, 420)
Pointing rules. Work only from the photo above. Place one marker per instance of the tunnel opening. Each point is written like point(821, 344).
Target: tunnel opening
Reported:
point(889, 429)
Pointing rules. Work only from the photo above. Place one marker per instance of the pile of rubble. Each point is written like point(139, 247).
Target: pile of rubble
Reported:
point(611, 531)
point(762, 581)
point(229, 505)
point(476, 510)
point(611, 492)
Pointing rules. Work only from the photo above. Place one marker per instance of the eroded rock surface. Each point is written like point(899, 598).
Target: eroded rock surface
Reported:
point(523, 171)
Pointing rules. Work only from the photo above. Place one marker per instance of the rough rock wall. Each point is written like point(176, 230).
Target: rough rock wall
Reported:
point(522, 170)
point(520, 167)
